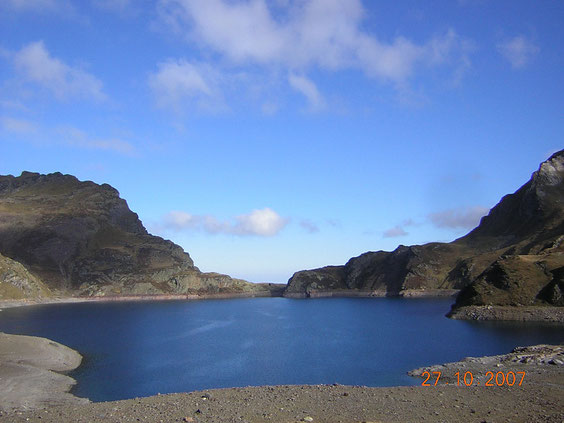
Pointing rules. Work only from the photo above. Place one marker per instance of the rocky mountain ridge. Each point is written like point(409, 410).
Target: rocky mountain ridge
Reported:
point(514, 257)
point(81, 238)
point(60, 236)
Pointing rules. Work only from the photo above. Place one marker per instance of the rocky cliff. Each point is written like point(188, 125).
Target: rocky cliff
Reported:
point(17, 283)
point(403, 270)
point(81, 238)
point(514, 257)
point(526, 232)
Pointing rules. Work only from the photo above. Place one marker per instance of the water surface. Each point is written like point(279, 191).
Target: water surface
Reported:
point(143, 348)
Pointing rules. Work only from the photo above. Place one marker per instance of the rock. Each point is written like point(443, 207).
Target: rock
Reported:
point(17, 283)
point(81, 238)
point(406, 268)
point(515, 257)
point(29, 369)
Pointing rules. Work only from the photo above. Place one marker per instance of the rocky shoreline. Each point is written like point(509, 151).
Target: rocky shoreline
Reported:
point(508, 313)
point(537, 399)
point(30, 373)
point(126, 298)
point(530, 390)
point(359, 293)
point(519, 357)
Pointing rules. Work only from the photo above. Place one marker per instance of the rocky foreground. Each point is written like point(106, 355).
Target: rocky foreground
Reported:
point(30, 373)
point(537, 399)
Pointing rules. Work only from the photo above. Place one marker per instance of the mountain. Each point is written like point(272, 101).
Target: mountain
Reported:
point(527, 230)
point(529, 218)
point(406, 270)
point(81, 238)
point(514, 257)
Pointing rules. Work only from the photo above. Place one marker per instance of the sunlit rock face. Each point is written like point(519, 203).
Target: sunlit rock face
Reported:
point(17, 283)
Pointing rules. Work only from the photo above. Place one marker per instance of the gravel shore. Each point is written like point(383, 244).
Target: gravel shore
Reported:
point(518, 314)
point(131, 298)
point(537, 399)
point(29, 373)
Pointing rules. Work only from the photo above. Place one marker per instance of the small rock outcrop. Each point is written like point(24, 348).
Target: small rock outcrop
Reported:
point(17, 283)
point(81, 238)
point(517, 280)
point(514, 257)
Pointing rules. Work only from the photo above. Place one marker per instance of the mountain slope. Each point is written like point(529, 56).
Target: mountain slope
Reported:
point(81, 238)
point(515, 256)
point(529, 227)
point(528, 218)
point(17, 283)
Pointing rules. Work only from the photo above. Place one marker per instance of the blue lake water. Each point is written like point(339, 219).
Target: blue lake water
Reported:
point(143, 348)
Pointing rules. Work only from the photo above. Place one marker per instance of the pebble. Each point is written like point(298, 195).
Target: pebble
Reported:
point(308, 419)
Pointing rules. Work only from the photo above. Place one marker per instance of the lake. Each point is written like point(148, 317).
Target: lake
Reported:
point(143, 348)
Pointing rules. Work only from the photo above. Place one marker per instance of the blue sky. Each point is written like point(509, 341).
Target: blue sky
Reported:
point(267, 137)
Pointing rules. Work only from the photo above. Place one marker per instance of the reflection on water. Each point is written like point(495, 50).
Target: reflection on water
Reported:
point(140, 349)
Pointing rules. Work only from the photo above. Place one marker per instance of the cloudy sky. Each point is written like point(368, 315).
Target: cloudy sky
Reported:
point(267, 137)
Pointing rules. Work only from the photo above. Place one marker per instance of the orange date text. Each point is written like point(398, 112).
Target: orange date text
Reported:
point(509, 378)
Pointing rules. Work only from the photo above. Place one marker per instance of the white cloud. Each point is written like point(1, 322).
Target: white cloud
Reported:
point(461, 218)
point(327, 34)
point(306, 87)
point(31, 5)
point(395, 232)
point(75, 137)
point(63, 136)
point(36, 65)
point(309, 226)
point(264, 222)
point(17, 126)
point(178, 220)
point(61, 8)
point(241, 30)
point(178, 82)
point(518, 50)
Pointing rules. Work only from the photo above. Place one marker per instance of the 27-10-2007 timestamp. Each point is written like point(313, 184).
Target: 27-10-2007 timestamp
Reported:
point(467, 379)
